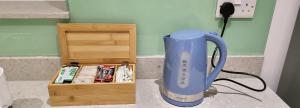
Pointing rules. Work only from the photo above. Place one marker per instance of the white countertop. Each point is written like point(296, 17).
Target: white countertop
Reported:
point(34, 94)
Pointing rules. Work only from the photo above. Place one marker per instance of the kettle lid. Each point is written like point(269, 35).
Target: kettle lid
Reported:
point(187, 34)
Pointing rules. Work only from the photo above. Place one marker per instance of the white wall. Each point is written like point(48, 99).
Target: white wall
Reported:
point(280, 33)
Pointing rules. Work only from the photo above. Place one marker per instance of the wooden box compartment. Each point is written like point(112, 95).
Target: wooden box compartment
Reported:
point(94, 44)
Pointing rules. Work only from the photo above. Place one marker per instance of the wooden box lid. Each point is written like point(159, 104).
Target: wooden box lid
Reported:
point(97, 43)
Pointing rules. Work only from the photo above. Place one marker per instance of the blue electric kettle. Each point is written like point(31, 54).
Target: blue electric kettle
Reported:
point(185, 66)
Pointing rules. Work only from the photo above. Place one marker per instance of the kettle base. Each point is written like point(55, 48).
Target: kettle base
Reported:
point(181, 104)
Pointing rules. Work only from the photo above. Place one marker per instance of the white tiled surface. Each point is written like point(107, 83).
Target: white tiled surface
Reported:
point(34, 94)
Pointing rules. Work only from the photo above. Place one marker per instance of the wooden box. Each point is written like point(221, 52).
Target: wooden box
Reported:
point(92, 44)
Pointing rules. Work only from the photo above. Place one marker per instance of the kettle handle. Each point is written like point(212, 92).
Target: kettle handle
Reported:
point(223, 55)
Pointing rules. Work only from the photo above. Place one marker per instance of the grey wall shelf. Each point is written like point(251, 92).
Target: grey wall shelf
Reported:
point(33, 9)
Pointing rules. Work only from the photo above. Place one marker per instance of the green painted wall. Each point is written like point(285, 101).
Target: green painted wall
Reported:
point(154, 19)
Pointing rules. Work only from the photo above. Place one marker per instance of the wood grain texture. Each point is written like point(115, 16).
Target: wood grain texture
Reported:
point(63, 45)
point(92, 94)
point(91, 44)
point(132, 33)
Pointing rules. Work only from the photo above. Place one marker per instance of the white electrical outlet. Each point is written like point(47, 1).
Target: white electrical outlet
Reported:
point(243, 8)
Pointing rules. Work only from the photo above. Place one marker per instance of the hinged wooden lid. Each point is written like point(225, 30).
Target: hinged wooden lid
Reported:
point(97, 43)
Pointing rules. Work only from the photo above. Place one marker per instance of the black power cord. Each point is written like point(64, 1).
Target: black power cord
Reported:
point(226, 10)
